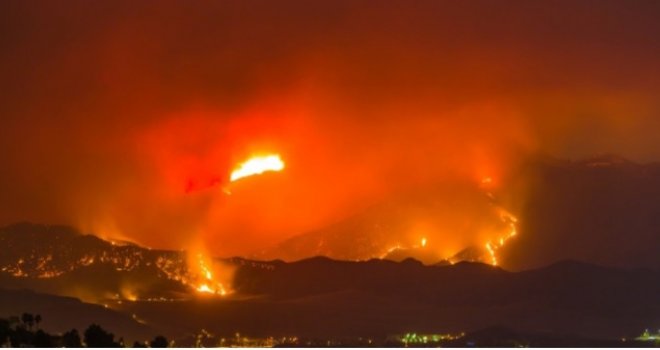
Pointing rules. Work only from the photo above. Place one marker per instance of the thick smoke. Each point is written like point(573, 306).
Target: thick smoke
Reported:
point(125, 119)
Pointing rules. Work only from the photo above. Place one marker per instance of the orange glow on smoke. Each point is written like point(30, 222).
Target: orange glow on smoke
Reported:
point(257, 165)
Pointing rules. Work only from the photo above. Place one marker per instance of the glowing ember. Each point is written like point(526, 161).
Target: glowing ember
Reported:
point(257, 165)
point(389, 251)
point(491, 247)
point(204, 288)
point(206, 281)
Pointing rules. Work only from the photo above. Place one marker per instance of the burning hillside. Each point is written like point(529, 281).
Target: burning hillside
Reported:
point(104, 269)
point(467, 221)
point(432, 224)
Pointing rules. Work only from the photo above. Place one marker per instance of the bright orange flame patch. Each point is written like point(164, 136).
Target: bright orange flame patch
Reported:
point(257, 165)
point(491, 247)
point(204, 279)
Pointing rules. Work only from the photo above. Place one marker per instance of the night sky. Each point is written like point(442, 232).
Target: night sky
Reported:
point(126, 118)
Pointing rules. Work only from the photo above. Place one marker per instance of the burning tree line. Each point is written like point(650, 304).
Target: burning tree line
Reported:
point(24, 331)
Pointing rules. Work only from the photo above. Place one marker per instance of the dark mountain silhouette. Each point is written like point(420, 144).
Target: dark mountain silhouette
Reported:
point(605, 210)
point(61, 314)
point(320, 297)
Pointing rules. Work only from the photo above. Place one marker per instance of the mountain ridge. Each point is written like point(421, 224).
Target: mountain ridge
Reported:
point(376, 298)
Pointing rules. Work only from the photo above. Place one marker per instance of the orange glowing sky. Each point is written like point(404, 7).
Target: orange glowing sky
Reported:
point(127, 119)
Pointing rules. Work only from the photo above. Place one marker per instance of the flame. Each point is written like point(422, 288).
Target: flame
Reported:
point(205, 270)
point(492, 248)
point(389, 250)
point(257, 165)
point(128, 293)
point(204, 288)
point(204, 280)
point(423, 242)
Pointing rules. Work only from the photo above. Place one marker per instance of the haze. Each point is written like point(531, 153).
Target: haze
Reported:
point(126, 119)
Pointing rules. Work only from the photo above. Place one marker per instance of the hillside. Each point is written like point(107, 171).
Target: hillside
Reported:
point(61, 314)
point(604, 210)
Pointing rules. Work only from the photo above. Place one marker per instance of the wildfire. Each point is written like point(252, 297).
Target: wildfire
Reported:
point(257, 165)
point(205, 270)
point(205, 280)
point(204, 288)
point(207, 283)
point(491, 247)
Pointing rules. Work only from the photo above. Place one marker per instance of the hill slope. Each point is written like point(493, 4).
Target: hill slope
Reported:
point(604, 210)
point(61, 314)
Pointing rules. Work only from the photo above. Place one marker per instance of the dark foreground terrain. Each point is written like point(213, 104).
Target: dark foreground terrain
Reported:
point(322, 301)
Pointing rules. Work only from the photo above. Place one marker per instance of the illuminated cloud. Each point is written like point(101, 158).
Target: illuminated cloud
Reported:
point(128, 124)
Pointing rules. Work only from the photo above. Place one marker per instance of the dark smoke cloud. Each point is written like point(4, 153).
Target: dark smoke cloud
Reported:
point(109, 109)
